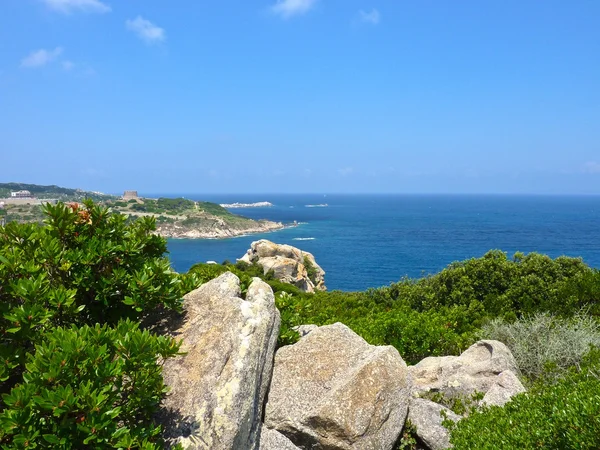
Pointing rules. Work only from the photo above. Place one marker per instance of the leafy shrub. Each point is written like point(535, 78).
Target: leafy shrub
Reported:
point(563, 415)
point(206, 272)
point(441, 314)
point(542, 342)
point(509, 288)
point(89, 387)
point(86, 267)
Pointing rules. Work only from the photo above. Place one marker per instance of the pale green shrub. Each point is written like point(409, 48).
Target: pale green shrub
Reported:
point(543, 344)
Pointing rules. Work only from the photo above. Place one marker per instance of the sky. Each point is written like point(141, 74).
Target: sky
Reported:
point(315, 96)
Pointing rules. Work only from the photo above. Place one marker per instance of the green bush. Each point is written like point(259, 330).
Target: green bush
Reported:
point(441, 314)
point(88, 387)
point(507, 288)
point(85, 267)
point(563, 415)
point(543, 344)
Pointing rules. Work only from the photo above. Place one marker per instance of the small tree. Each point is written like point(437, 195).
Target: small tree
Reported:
point(71, 293)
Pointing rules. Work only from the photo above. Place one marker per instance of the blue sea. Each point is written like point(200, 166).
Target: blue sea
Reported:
point(364, 241)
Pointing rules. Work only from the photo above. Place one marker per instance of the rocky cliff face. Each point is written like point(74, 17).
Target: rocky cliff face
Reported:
point(215, 228)
point(289, 264)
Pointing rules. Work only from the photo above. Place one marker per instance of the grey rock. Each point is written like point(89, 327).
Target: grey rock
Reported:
point(332, 390)
point(274, 440)
point(475, 370)
point(287, 264)
point(506, 386)
point(303, 330)
point(218, 387)
point(427, 418)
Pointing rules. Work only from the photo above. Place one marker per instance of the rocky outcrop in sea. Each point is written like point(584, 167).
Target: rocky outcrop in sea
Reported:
point(289, 264)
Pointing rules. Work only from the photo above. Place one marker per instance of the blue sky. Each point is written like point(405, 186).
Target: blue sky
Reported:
point(417, 96)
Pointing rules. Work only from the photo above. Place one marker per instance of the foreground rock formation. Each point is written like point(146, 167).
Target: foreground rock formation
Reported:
point(426, 417)
point(332, 390)
point(289, 264)
point(218, 387)
point(274, 440)
point(483, 366)
point(486, 367)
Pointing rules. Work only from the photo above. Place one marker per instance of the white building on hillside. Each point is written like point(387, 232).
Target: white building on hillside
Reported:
point(21, 194)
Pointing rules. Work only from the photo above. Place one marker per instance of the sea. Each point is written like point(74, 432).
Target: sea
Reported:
point(364, 241)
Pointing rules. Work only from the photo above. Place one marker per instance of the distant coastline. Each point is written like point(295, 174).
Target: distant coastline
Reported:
point(174, 231)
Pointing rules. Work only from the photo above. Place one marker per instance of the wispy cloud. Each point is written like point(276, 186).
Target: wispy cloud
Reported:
point(372, 17)
point(289, 8)
point(146, 30)
point(591, 167)
point(68, 65)
point(69, 6)
point(40, 58)
point(345, 171)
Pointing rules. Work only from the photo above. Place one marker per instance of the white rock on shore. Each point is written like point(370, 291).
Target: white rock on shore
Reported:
point(247, 205)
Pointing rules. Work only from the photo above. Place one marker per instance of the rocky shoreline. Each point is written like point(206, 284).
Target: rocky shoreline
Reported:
point(217, 230)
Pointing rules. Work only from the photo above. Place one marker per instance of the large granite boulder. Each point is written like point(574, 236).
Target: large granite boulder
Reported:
point(332, 390)
point(426, 416)
point(274, 440)
point(506, 385)
point(289, 264)
point(477, 369)
point(217, 389)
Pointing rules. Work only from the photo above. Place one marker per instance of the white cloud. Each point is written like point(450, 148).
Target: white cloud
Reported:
point(346, 171)
point(289, 8)
point(41, 57)
point(373, 17)
point(591, 167)
point(68, 6)
point(146, 30)
point(68, 65)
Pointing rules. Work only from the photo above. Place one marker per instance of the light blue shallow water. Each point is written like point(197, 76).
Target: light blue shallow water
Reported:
point(366, 241)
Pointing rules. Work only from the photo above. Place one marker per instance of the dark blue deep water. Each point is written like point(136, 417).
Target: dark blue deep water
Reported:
point(366, 241)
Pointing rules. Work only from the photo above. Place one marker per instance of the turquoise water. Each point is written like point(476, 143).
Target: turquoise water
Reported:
point(366, 241)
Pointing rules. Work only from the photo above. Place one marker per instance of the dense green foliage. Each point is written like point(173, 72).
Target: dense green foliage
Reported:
point(163, 205)
point(441, 314)
point(214, 209)
point(89, 388)
point(85, 268)
point(562, 415)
